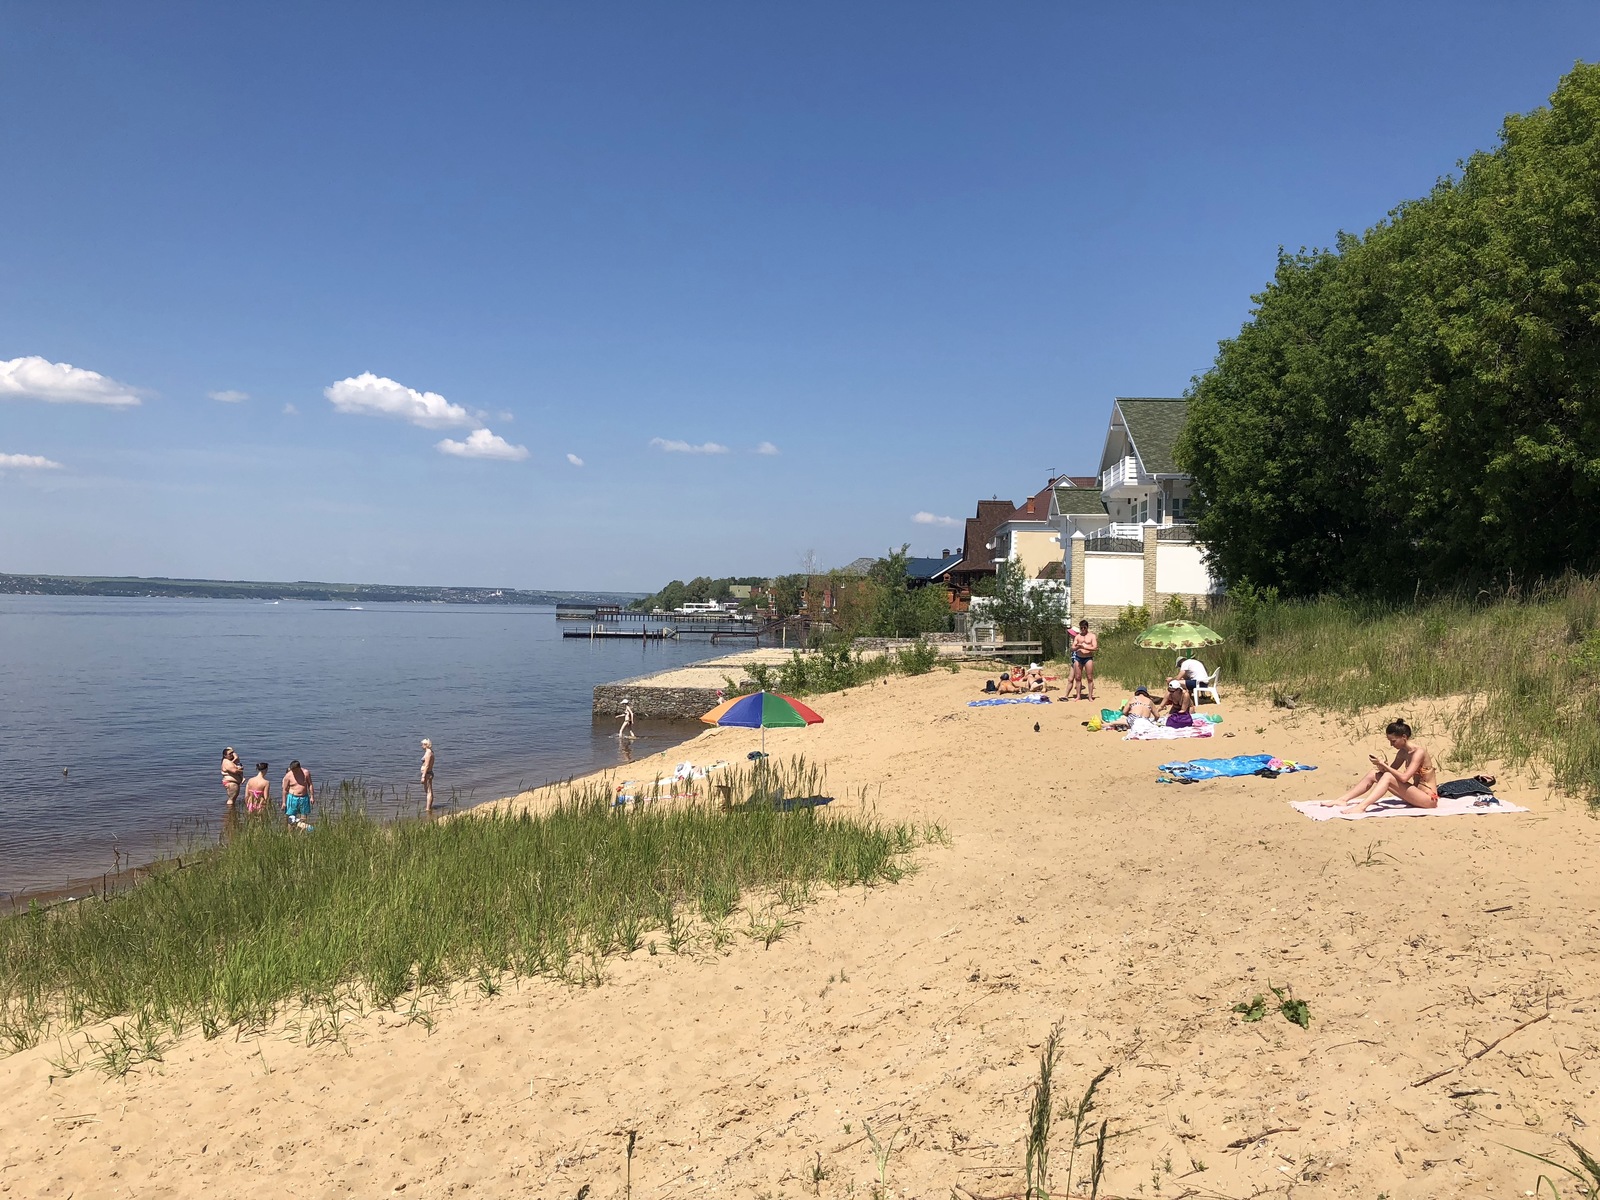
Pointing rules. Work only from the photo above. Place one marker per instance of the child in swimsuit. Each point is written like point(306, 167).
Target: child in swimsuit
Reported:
point(258, 792)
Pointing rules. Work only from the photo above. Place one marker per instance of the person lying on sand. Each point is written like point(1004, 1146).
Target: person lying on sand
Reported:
point(1413, 776)
point(1010, 685)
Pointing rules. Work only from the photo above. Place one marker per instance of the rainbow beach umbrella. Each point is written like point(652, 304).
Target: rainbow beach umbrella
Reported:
point(763, 711)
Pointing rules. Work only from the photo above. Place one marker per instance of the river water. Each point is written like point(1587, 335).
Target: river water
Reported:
point(114, 712)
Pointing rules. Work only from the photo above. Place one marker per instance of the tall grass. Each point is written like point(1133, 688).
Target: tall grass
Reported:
point(366, 912)
point(1524, 670)
point(836, 667)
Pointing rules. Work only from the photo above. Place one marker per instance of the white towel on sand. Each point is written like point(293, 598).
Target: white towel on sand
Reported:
point(1143, 729)
point(1460, 806)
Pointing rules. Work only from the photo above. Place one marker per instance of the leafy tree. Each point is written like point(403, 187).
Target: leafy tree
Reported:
point(1420, 404)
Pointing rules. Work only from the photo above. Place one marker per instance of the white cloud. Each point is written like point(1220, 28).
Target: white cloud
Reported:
point(229, 397)
point(766, 448)
point(676, 447)
point(290, 410)
point(575, 460)
point(928, 518)
point(481, 443)
point(35, 378)
point(28, 462)
point(374, 396)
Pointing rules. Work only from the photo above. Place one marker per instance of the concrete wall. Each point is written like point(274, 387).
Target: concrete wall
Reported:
point(655, 703)
point(1110, 580)
point(1181, 571)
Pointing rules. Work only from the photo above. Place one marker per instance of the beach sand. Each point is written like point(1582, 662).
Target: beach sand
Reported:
point(1074, 889)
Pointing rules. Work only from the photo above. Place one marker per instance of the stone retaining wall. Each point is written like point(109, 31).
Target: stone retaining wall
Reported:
point(655, 703)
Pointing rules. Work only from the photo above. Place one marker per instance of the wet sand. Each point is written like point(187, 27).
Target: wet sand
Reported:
point(1074, 889)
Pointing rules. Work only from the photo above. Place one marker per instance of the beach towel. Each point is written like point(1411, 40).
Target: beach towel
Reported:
point(1145, 730)
point(1225, 768)
point(1459, 806)
point(1035, 699)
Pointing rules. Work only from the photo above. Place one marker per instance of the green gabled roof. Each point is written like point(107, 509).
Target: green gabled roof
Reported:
point(1079, 502)
point(1154, 423)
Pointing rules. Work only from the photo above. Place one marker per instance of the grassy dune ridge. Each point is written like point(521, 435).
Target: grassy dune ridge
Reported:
point(1525, 669)
point(364, 912)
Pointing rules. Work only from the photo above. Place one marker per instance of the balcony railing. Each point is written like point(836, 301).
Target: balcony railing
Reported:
point(1116, 538)
point(1178, 531)
point(1120, 474)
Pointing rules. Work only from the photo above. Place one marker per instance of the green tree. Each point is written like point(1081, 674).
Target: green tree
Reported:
point(1420, 405)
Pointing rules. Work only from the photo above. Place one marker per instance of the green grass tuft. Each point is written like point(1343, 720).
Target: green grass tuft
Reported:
point(361, 913)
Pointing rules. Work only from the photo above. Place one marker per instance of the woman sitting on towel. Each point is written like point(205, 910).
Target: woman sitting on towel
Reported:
point(1413, 776)
point(1180, 705)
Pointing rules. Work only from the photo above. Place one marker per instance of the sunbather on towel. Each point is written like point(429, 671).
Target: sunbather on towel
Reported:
point(1009, 683)
point(1180, 705)
point(1413, 777)
point(1139, 706)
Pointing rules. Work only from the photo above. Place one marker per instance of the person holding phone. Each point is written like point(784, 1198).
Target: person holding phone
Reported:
point(1413, 776)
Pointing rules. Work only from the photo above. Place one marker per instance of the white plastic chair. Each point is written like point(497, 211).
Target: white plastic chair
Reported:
point(1202, 690)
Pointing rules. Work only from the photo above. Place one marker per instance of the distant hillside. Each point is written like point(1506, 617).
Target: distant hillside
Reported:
point(224, 589)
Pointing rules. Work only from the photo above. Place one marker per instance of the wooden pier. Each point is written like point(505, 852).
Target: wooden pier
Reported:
point(597, 633)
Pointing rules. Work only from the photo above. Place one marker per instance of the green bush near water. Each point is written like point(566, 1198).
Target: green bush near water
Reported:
point(364, 910)
point(1526, 670)
point(836, 667)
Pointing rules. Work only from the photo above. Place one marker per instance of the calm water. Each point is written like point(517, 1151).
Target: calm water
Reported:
point(114, 712)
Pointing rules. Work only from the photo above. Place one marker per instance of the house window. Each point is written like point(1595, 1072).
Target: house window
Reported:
point(1144, 511)
point(1180, 508)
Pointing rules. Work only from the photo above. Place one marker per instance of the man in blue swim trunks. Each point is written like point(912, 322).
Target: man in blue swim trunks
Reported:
point(299, 794)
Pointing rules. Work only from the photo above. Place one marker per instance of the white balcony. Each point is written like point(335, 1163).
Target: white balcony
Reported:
point(1121, 477)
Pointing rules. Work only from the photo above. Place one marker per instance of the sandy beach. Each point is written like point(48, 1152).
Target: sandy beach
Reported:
point(1073, 889)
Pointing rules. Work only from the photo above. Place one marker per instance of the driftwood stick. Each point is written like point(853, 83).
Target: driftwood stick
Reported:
point(1246, 1142)
point(1481, 1053)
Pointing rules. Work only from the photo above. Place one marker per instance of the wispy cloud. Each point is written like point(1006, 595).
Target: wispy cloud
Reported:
point(575, 460)
point(28, 462)
point(928, 518)
point(290, 410)
point(229, 397)
point(374, 396)
point(35, 378)
point(766, 448)
point(672, 446)
point(481, 443)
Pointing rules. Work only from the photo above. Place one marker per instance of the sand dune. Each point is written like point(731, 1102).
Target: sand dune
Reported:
point(1074, 889)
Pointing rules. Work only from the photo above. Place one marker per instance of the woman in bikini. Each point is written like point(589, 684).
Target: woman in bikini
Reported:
point(258, 792)
point(1413, 777)
point(232, 774)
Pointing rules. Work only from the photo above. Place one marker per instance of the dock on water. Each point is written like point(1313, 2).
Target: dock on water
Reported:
point(597, 633)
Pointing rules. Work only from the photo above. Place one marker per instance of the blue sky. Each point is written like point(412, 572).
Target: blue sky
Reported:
point(914, 249)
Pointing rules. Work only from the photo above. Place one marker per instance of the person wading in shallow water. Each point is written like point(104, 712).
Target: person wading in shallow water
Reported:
point(232, 774)
point(627, 720)
point(299, 794)
point(427, 774)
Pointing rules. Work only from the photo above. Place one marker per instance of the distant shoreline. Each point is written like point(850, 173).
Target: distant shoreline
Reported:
point(225, 589)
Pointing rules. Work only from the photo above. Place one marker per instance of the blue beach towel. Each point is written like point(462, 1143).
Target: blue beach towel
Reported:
point(1008, 700)
point(1222, 768)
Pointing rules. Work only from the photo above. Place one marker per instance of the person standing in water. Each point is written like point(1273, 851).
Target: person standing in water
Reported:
point(427, 774)
point(258, 792)
point(627, 720)
point(299, 794)
point(232, 774)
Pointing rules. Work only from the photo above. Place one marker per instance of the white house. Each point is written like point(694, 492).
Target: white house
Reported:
point(1130, 543)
